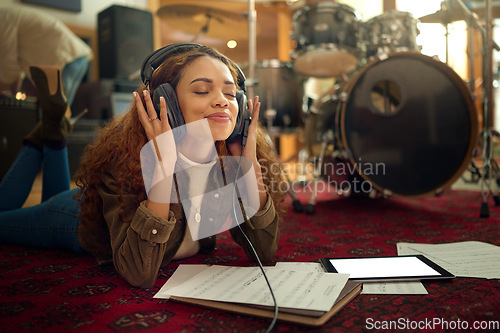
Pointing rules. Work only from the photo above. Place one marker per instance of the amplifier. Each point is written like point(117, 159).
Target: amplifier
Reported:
point(84, 133)
point(17, 119)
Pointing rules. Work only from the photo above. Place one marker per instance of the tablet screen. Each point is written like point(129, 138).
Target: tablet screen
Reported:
point(386, 268)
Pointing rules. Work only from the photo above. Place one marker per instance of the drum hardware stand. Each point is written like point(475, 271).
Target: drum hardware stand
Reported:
point(252, 46)
point(296, 204)
point(269, 115)
point(446, 35)
point(309, 109)
point(316, 178)
point(302, 154)
point(489, 166)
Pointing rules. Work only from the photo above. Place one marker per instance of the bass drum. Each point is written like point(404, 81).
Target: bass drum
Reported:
point(408, 125)
point(280, 90)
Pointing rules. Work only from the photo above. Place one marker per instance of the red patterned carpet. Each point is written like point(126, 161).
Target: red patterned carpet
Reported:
point(58, 291)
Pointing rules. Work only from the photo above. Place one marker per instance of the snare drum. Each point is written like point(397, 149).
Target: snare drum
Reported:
point(407, 124)
point(327, 42)
point(390, 32)
point(280, 90)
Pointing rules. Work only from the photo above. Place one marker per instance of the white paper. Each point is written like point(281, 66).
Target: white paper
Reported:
point(292, 289)
point(394, 288)
point(463, 259)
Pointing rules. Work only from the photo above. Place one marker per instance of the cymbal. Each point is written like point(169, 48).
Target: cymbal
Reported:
point(206, 21)
point(444, 16)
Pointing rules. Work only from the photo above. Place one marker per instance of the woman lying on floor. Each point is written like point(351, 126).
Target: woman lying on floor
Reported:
point(140, 223)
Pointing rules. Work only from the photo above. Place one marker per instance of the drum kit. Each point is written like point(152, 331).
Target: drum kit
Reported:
point(395, 122)
point(390, 122)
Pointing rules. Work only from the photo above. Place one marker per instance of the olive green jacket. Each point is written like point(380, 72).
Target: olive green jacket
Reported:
point(139, 243)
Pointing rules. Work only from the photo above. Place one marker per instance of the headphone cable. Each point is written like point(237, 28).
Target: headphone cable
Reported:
point(243, 143)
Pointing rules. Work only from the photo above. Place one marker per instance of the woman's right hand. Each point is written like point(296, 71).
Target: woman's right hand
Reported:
point(153, 126)
point(158, 130)
point(158, 175)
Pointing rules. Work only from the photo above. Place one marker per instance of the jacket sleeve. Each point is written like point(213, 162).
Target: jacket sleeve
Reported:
point(140, 241)
point(263, 232)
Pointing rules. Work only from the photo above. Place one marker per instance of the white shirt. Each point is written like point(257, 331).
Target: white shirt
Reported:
point(198, 175)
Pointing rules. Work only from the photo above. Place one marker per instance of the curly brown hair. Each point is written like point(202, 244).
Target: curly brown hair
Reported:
point(118, 146)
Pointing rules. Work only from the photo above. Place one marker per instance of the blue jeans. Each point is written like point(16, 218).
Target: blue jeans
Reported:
point(54, 222)
point(72, 75)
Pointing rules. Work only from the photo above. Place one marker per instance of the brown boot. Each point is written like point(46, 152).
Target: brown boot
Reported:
point(52, 101)
point(34, 138)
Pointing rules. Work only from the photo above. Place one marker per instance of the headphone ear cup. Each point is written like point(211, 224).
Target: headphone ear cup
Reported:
point(175, 117)
point(243, 113)
point(174, 114)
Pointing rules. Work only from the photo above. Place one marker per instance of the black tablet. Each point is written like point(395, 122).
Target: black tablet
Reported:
point(386, 269)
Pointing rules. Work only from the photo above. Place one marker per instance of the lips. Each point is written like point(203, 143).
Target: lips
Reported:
point(219, 116)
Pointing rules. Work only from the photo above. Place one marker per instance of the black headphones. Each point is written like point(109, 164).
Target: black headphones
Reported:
point(175, 117)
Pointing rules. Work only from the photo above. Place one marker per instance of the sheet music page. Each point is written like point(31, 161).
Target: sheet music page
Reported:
point(182, 274)
point(292, 289)
point(463, 259)
point(301, 266)
point(388, 288)
point(394, 288)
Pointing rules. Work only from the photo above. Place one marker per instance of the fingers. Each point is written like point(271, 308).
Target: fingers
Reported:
point(149, 105)
point(143, 116)
point(153, 117)
point(254, 107)
point(164, 115)
point(256, 104)
point(148, 116)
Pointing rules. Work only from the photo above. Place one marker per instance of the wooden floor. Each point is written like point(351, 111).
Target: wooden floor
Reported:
point(35, 196)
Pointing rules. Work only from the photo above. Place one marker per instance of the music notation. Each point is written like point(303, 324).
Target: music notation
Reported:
point(463, 259)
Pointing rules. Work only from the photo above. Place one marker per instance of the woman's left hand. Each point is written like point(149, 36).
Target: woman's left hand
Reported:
point(250, 150)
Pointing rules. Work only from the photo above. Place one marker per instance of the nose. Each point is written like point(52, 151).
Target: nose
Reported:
point(220, 100)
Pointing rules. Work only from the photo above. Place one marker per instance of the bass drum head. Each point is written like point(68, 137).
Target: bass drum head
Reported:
point(408, 124)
